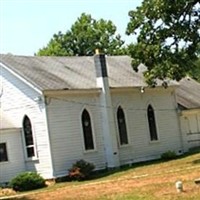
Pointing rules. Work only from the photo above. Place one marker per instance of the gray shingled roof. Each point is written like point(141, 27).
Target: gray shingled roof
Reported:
point(55, 73)
point(71, 72)
point(188, 93)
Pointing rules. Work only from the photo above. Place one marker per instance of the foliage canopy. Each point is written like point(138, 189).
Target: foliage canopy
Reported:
point(85, 35)
point(168, 37)
point(195, 73)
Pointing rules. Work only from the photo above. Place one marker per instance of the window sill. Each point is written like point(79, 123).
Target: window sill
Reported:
point(90, 151)
point(34, 159)
point(154, 141)
point(4, 162)
point(124, 146)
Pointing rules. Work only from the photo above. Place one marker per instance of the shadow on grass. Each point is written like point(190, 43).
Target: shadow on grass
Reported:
point(111, 171)
point(108, 172)
point(196, 161)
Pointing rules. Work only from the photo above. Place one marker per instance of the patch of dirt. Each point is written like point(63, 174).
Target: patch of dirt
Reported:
point(6, 192)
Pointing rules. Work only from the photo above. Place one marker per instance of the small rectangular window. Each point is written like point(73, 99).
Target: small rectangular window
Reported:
point(3, 152)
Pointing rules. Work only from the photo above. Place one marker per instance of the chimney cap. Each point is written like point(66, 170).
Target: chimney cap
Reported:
point(97, 51)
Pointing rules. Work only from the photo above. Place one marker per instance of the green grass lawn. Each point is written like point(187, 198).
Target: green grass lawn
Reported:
point(145, 181)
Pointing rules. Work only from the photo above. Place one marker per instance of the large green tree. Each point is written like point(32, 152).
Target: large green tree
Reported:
point(85, 35)
point(168, 35)
point(195, 72)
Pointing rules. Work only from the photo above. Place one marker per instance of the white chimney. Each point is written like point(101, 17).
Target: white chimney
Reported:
point(108, 123)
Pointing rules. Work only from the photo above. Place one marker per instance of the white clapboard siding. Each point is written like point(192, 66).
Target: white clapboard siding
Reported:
point(66, 134)
point(135, 108)
point(18, 100)
point(190, 126)
point(64, 117)
point(58, 132)
point(15, 163)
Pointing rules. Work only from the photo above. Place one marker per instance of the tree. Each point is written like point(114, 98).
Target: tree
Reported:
point(168, 35)
point(85, 35)
point(195, 72)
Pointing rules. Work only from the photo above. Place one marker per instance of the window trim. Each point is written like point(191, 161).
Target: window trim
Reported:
point(6, 151)
point(82, 131)
point(35, 157)
point(126, 124)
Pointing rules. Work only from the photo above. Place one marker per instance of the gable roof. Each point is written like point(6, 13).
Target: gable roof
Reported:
point(54, 73)
point(57, 73)
point(188, 93)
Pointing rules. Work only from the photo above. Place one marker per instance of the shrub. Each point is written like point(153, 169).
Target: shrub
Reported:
point(168, 155)
point(27, 181)
point(81, 170)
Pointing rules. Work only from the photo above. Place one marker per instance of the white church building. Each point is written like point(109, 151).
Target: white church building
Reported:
point(57, 110)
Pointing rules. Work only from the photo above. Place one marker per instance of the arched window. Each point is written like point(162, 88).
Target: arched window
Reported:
point(152, 123)
point(87, 131)
point(122, 126)
point(28, 137)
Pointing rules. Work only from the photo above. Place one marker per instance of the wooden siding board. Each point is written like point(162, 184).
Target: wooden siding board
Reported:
point(15, 163)
point(190, 129)
point(66, 132)
point(18, 100)
point(135, 105)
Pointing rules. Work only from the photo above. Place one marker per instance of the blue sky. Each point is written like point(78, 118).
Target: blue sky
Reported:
point(27, 25)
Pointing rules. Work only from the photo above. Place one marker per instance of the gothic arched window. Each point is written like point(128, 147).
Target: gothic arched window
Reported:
point(121, 121)
point(87, 130)
point(152, 123)
point(28, 137)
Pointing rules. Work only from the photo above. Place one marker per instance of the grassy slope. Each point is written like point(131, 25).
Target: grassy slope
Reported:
point(147, 181)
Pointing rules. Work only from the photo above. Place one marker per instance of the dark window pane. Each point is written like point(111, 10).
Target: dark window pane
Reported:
point(122, 126)
point(87, 131)
point(28, 139)
point(152, 123)
point(30, 152)
point(3, 152)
